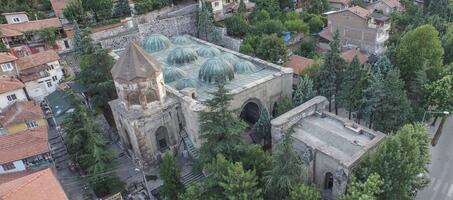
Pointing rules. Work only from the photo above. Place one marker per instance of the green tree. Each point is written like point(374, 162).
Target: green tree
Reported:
point(271, 48)
point(297, 26)
point(205, 23)
point(316, 24)
point(75, 11)
point(260, 16)
point(419, 57)
point(440, 96)
point(193, 192)
point(307, 48)
point(217, 169)
point(304, 91)
point(121, 9)
point(367, 190)
point(171, 176)
point(447, 43)
point(372, 96)
point(239, 184)
point(144, 6)
point(242, 8)
point(395, 107)
point(237, 25)
point(317, 7)
point(220, 128)
point(351, 90)
point(399, 161)
point(360, 3)
point(330, 71)
point(263, 126)
point(270, 6)
point(3, 47)
point(304, 192)
point(81, 41)
point(286, 4)
point(272, 26)
point(253, 157)
point(101, 9)
point(287, 169)
point(438, 7)
point(285, 105)
point(246, 49)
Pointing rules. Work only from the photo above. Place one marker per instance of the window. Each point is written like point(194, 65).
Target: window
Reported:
point(66, 44)
point(54, 78)
point(11, 97)
point(32, 124)
point(16, 19)
point(49, 84)
point(8, 166)
point(216, 4)
point(7, 67)
point(51, 67)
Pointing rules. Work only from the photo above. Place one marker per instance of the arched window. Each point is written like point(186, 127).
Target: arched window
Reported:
point(328, 182)
point(151, 96)
point(162, 138)
point(134, 98)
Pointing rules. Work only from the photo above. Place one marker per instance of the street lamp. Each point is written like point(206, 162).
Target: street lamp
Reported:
point(434, 112)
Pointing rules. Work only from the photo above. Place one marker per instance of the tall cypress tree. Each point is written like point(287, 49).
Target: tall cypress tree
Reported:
point(205, 21)
point(240, 184)
point(330, 71)
point(121, 8)
point(220, 128)
point(304, 91)
point(351, 90)
point(263, 126)
point(171, 176)
point(372, 96)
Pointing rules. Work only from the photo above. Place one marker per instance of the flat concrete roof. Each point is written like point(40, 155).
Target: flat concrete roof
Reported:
point(336, 137)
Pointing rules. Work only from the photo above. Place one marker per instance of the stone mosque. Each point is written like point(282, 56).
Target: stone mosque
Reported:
point(162, 84)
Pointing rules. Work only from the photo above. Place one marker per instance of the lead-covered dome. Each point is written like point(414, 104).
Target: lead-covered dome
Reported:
point(216, 70)
point(182, 40)
point(230, 58)
point(244, 67)
point(185, 83)
point(156, 42)
point(173, 73)
point(207, 52)
point(181, 55)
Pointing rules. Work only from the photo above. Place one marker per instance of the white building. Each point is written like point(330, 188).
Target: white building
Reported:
point(41, 73)
point(8, 64)
point(11, 90)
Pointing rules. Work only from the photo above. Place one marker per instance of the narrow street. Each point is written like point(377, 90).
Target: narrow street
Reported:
point(441, 167)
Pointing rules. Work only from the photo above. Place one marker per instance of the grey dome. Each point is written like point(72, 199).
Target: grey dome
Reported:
point(156, 42)
point(215, 70)
point(244, 67)
point(185, 83)
point(182, 40)
point(181, 55)
point(230, 58)
point(172, 74)
point(207, 52)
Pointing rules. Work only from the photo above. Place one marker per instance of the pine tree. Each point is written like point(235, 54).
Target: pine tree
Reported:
point(395, 110)
point(121, 8)
point(239, 184)
point(81, 41)
point(205, 21)
point(270, 6)
point(399, 161)
point(367, 190)
point(372, 96)
point(263, 126)
point(242, 8)
point(171, 176)
point(285, 105)
point(287, 169)
point(351, 91)
point(383, 65)
point(304, 91)
point(220, 128)
point(304, 192)
point(330, 71)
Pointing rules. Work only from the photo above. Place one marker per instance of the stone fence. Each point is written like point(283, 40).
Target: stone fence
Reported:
point(228, 41)
point(285, 121)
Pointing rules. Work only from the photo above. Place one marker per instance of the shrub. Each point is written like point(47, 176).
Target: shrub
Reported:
point(237, 26)
point(270, 27)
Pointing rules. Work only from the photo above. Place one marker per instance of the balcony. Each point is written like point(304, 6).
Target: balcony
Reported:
point(383, 27)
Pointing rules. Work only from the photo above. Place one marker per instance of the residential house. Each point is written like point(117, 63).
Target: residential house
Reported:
point(11, 90)
point(7, 64)
point(40, 185)
point(386, 7)
point(358, 28)
point(348, 55)
point(41, 73)
point(22, 36)
point(221, 8)
point(298, 63)
point(25, 150)
point(21, 116)
point(339, 4)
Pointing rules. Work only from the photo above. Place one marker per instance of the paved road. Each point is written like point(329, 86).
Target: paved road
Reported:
point(441, 168)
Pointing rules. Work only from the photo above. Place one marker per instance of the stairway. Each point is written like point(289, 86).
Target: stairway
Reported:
point(191, 176)
point(193, 151)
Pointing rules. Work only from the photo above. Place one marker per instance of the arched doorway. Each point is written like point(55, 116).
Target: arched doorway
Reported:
point(250, 113)
point(162, 138)
point(328, 182)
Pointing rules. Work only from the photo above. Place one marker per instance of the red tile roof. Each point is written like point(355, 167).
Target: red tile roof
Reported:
point(361, 12)
point(58, 5)
point(393, 3)
point(350, 54)
point(344, 2)
point(17, 29)
point(7, 177)
point(42, 185)
point(25, 144)
point(326, 34)
point(8, 84)
point(298, 63)
point(7, 57)
point(37, 59)
point(20, 112)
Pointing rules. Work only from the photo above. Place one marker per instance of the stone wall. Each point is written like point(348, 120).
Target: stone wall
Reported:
point(228, 41)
